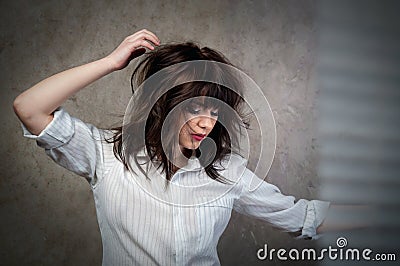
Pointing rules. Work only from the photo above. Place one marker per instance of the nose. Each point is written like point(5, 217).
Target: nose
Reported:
point(205, 122)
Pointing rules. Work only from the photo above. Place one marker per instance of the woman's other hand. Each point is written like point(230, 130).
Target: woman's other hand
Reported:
point(132, 47)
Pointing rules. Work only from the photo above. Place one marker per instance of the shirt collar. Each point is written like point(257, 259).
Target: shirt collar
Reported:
point(192, 165)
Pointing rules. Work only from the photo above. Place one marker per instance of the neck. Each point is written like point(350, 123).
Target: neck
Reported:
point(181, 158)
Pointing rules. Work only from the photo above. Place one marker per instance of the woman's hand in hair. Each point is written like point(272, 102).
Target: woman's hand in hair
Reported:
point(132, 47)
point(35, 106)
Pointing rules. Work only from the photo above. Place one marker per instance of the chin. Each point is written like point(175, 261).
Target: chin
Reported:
point(190, 147)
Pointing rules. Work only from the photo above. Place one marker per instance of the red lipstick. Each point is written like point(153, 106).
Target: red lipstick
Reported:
point(198, 137)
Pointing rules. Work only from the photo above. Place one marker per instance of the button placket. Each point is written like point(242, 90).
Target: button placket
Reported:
point(175, 218)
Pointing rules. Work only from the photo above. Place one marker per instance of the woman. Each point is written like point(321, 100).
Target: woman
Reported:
point(164, 183)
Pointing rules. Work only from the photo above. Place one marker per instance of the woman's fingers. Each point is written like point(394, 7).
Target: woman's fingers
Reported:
point(145, 33)
point(143, 43)
point(133, 46)
point(144, 40)
point(152, 34)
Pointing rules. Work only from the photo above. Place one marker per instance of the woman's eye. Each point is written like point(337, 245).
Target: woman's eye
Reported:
point(214, 113)
point(194, 111)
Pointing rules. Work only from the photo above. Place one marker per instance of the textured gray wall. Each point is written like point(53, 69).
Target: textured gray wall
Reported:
point(47, 213)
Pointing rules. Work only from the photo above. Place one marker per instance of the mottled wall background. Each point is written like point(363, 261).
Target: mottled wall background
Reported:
point(47, 214)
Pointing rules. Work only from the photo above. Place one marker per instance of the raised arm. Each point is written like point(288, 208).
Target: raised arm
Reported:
point(34, 107)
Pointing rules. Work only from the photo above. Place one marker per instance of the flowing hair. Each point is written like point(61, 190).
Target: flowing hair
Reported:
point(158, 78)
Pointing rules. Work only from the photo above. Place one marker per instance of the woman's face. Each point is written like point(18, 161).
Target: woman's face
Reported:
point(197, 122)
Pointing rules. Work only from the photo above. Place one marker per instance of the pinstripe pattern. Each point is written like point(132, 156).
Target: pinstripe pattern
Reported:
point(142, 224)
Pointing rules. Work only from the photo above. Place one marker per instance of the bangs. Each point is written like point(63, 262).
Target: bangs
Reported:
point(214, 95)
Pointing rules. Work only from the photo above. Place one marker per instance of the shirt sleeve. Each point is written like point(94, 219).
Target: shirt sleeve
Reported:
point(73, 144)
point(269, 204)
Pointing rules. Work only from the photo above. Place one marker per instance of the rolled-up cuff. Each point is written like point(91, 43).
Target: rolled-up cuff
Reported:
point(58, 132)
point(316, 213)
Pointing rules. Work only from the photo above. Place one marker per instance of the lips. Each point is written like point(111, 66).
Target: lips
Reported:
point(198, 137)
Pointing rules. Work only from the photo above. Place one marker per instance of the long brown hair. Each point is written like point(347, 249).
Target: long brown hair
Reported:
point(158, 79)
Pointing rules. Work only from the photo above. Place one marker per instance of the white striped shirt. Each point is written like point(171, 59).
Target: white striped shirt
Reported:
point(141, 223)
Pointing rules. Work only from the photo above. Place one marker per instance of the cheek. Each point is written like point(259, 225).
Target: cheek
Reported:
point(183, 133)
point(213, 125)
